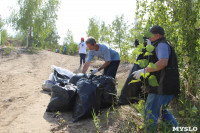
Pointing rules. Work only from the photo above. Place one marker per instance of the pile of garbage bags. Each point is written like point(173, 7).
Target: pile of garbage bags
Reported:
point(80, 93)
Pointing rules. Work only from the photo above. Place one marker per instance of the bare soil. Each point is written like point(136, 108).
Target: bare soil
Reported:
point(23, 103)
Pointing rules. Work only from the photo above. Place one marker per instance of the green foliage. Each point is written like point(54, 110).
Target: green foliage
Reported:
point(151, 65)
point(38, 19)
point(69, 38)
point(139, 107)
point(148, 34)
point(120, 37)
point(3, 32)
point(93, 29)
point(1, 23)
point(72, 48)
point(142, 63)
point(145, 75)
point(153, 81)
point(149, 48)
point(8, 50)
point(4, 36)
point(180, 19)
point(104, 33)
point(96, 121)
point(115, 35)
point(134, 81)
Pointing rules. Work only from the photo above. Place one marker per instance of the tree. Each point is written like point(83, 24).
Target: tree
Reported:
point(4, 36)
point(35, 16)
point(94, 29)
point(69, 38)
point(1, 23)
point(46, 22)
point(106, 34)
point(72, 47)
point(120, 36)
point(3, 32)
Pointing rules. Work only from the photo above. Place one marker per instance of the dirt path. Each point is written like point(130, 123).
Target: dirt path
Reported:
point(23, 103)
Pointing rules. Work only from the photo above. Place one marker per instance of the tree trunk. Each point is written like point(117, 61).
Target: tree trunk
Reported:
point(30, 38)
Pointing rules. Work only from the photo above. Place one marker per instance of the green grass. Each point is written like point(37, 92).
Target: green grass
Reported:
point(120, 84)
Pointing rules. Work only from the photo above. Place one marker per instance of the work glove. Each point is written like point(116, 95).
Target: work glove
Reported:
point(94, 71)
point(136, 74)
point(148, 42)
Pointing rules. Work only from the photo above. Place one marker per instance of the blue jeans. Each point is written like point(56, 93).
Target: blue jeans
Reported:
point(82, 58)
point(152, 110)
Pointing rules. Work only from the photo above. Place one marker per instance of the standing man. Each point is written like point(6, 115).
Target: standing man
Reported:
point(82, 51)
point(167, 75)
point(110, 56)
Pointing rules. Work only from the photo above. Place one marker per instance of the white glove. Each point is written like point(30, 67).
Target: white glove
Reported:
point(94, 71)
point(148, 42)
point(136, 74)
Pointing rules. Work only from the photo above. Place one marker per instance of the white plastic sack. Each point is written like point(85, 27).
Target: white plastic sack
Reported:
point(51, 77)
point(47, 85)
point(63, 71)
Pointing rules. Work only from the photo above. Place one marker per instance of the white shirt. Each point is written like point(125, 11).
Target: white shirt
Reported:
point(82, 48)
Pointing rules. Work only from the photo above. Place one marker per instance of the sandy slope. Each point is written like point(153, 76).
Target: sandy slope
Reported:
point(23, 103)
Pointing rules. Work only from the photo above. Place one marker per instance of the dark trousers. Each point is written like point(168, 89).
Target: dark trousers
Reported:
point(111, 69)
point(82, 58)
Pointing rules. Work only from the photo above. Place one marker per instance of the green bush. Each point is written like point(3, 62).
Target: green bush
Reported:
point(72, 49)
point(4, 36)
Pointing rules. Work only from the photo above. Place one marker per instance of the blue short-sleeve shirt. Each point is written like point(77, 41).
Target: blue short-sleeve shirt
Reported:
point(163, 51)
point(105, 53)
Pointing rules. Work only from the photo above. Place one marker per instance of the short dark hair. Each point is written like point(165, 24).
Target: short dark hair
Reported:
point(157, 30)
point(91, 40)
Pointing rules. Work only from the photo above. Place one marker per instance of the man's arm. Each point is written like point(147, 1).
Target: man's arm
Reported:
point(162, 53)
point(162, 63)
point(104, 65)
point(85, 67)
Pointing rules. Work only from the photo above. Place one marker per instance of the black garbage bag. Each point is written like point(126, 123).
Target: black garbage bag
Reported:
point(60, 79)
point(88, 99)
point(62, 98)
point(76, 77)
point(131, 93)
point(109, 90)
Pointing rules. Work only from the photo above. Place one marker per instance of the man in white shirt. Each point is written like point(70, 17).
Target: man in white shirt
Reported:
point(82, 51)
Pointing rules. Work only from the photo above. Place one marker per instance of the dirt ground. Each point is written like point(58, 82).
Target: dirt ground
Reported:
point(22, 101)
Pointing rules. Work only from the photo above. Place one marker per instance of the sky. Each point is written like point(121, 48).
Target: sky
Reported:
point(74, 14)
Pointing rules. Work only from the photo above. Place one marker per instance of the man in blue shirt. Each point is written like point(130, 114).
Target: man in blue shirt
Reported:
point(167, 75)
point(110, 56)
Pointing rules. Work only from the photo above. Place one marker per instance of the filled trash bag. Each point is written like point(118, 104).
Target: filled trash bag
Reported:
point(88, 99)
point(62, 98)
point(61, 80)
point(47, 85)
point(52, 78)
point(76, 77)
point(131, 92)
point(63, 72)
point(109, 90)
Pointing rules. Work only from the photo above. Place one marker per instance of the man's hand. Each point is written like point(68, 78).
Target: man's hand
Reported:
point(136, 74)
point(94, 71)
